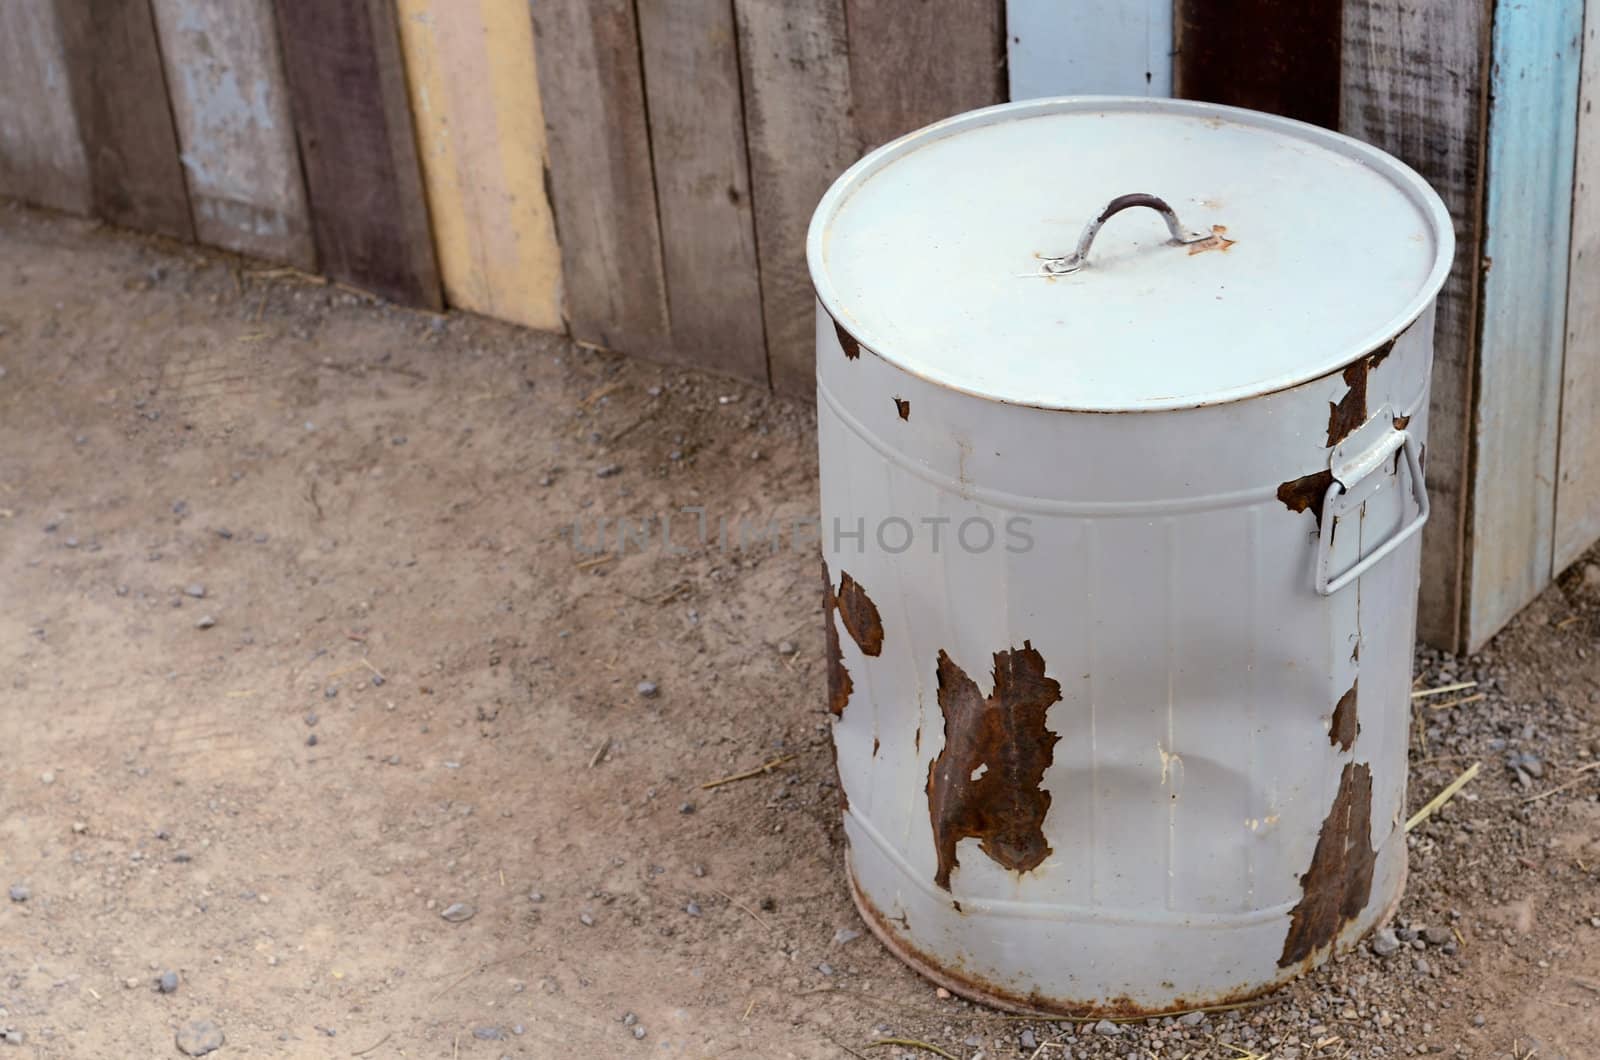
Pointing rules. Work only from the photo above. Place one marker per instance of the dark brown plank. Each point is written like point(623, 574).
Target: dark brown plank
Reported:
point(1415, 84)
point(1280, 56)
point(600, 174)
point(797, 109)
point(702, 173)
point(119, 93)
point(914, 63)
point(352, 116)
point(41, 154)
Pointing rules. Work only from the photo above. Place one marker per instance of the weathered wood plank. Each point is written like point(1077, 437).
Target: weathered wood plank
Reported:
point(347, 89)
point(1528, 212)
point(41, 153)
point(1415, 84)
point(1578, 485)
point(225, 78)
point(1117, 47)
point(1268, 55)
point(600, 173)
point(797, 108)
point(702, 174)
point(480, 132)
point(119, 94)
point(913, 64)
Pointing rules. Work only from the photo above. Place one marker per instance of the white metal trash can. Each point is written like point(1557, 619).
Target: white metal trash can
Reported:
point(1122, 407)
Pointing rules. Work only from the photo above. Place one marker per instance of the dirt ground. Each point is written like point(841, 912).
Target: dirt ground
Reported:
point(298, 651)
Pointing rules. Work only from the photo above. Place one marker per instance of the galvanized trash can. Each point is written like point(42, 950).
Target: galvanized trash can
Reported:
point(1122, 407)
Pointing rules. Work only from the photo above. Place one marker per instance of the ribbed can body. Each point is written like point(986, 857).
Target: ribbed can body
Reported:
point(1103, 744)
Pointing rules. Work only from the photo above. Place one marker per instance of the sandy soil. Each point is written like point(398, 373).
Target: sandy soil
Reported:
point(298, 651)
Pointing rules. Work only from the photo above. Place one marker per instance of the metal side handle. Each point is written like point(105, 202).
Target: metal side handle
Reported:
point(1353, 472)
point(1080, 257)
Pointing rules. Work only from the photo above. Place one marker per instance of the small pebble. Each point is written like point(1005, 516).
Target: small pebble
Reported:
point(312, 719)
point(1027, 1040)
point(845, 935)
point(825, 968)
point(1384, 943)
point(488, 1034)
point(168, 983)
point(205, 622)
point(535, 896)
point(647, 689)
point(686, 808)
point(456, 912)
point(1107, 1028)
point(197, 591)
point(1437, 936)
point(608, 471)
point(786, 647)
point(586, 919)
point(311, 740)
point(199, 1038)
point(693, 908)
point(14, 1037)
point(638, 1032)
point(19, 893)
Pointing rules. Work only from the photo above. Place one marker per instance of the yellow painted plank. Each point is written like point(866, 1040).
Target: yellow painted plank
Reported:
point(480, 131)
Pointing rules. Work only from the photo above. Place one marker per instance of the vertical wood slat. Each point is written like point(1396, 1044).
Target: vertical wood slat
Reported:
point(702, 180)
point(119, 94)
point(1283, 58)
point(41, 153)
point(481, 136)
point(914, 64)
point(1114, 47)
point(1578, 483)
point(1528, 210)
point(795, 62)
point(600, 173)
point(1415, 84)
point(225, 79)
point(347, 89)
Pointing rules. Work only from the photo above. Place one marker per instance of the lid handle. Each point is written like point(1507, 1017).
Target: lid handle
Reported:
point(1181, 236)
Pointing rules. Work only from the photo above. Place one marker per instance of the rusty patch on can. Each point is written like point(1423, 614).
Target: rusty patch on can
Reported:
point(903, 407)
point(1379, 355)
point(861, 620)
point(1306, 492)
point(985, 782)
point(1339, 882)
point(951, 974)
point(860, 615)
point(1346, 726)
point(847, 341)
point(1350, 411)
point(839, 683)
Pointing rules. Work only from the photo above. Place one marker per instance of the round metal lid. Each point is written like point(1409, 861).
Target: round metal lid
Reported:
point(949, 252)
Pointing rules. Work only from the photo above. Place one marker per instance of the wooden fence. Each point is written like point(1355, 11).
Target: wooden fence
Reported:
point(640, 174)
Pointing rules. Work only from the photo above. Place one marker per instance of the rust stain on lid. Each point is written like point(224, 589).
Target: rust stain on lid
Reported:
point(986, 782)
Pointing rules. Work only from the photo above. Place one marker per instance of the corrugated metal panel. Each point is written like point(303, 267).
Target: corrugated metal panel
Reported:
point(1528, 212)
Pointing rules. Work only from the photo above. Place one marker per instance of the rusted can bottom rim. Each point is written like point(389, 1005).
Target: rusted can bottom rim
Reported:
point(1115, 1009)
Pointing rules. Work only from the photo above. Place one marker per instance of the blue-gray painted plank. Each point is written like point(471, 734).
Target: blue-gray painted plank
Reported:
point(1071, 47)
point(1528, 209)
point(231, 105)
